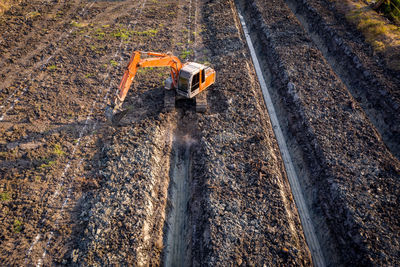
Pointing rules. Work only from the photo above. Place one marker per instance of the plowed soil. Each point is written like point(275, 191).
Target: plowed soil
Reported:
point(75, 190)
point(352, 177)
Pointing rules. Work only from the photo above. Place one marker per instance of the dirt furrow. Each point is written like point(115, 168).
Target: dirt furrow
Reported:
point(348, 175)
point(242, 209)
point(373, 85)
point(136, 165)
point(41, 28)
point(178, 226)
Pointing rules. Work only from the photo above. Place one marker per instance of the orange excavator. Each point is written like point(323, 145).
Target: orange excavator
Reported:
point(187, 81)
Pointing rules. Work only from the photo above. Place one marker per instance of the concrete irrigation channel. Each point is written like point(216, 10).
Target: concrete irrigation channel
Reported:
point(292, 165)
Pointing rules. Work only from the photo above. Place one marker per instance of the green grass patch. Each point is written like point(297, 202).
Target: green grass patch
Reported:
point(47, 163)
point(186, 53)
point(88, 75)
point(17, 226)
point(57, 150)
point(78, 24)
point(52, 67)
point(121, 33)
point(100, 34)
point(391, 9)
point(150, 33)
point(382, 35)
point(32, 15)
point(5, 196)
point(145, 70)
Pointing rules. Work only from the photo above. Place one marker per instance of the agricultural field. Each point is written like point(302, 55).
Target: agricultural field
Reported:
point(294, 163)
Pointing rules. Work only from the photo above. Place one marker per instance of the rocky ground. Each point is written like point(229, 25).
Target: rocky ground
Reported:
point(365, 72)
point(77, 191)
point(352, 176)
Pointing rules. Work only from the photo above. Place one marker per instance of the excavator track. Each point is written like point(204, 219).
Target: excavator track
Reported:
point(201, 102)
point(169, 100)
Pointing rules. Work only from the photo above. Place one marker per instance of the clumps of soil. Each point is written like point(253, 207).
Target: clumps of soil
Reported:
point(124, 220)
point(364, 72)
point(242, 209)
point(353, 176)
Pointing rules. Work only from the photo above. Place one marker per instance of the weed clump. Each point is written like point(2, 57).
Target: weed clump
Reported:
point(47, 163)
point(5, 196)
point(78, 24)
point(57, 150)
point(17, 226)
point(383, 36)
point(52, 67)
point(186, 53)
point(32, 15)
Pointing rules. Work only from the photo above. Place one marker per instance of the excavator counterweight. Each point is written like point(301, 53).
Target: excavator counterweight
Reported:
point(186, 81)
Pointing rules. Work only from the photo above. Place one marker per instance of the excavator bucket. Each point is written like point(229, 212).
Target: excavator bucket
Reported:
point(114, 116)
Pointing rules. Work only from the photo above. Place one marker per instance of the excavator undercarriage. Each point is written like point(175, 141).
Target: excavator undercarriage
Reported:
point(171, 97)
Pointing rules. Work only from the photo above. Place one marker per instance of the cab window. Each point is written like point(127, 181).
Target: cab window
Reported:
point(183, 83)
point(195, 81)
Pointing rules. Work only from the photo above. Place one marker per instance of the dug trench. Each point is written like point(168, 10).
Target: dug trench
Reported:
point(178, 227)
point(348, 175)
point(54, 167)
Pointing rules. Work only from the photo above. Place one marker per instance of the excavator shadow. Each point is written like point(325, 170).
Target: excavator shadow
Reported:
point(142, 105)
point(147, 104)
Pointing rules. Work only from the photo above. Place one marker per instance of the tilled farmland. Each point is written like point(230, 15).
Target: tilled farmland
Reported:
point(311, 179)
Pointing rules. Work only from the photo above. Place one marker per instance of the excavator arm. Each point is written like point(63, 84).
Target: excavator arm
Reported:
point(114, 111)
point(153, 60)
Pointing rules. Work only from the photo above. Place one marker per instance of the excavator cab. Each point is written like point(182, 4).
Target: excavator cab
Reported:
point(193, 79)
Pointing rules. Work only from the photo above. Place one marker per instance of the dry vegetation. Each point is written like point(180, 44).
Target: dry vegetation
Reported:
point(383, 35)
point(6, 4)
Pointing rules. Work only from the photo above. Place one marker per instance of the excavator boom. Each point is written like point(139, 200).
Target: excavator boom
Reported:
point(155, 60)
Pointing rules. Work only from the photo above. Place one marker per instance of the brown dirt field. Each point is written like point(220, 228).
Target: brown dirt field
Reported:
point(75, 190)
